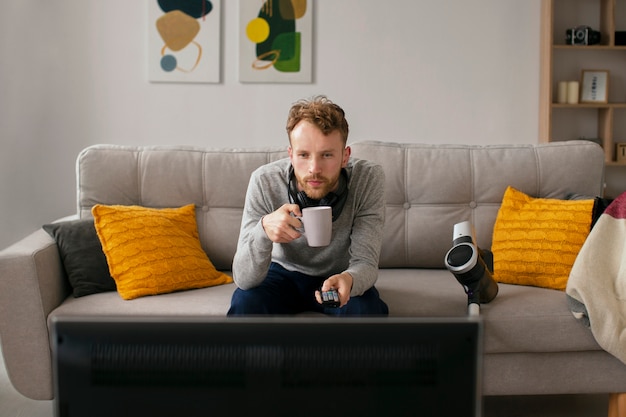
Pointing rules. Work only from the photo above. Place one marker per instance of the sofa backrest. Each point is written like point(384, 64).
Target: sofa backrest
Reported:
point(172, 176)
point(429, 188)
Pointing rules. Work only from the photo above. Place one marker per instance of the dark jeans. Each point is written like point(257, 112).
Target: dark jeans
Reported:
point(287, 292)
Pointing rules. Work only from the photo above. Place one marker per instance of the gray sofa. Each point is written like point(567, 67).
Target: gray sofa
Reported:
point(533, 344)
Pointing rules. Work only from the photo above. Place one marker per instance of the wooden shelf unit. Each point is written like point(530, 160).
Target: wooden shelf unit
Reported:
point(553, 26)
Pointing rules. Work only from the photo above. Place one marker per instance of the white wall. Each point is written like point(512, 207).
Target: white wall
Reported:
point(73, 73)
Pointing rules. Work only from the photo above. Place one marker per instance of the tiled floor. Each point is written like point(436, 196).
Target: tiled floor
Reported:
point(13, 404)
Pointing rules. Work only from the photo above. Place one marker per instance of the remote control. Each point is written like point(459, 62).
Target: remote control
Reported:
point(330, 298)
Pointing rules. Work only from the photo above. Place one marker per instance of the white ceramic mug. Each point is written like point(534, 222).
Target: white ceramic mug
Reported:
point(318, 225)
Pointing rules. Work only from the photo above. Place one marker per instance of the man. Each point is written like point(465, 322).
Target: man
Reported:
point(274, 268)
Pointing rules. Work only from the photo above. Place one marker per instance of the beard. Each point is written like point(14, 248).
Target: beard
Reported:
point(319, 191)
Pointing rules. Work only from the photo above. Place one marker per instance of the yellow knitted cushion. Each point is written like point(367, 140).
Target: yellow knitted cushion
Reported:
point(536, 240)
point(154, 251)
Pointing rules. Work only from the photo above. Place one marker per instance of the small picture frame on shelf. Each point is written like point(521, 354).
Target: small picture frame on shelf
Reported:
point(620, 152)
point(594, 86)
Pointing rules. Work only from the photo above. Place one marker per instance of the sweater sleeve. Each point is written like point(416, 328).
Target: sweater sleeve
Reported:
point(367, 230)
point(254, 248)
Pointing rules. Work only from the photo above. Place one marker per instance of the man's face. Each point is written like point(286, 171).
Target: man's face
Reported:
point(317, 159)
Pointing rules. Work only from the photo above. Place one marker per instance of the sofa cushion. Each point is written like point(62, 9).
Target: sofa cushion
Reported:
point(215, 180)
point(154, 251)
point(430, 188)
point(203, 302)
point(519, 319)
point(81, 253)
point(536, 240)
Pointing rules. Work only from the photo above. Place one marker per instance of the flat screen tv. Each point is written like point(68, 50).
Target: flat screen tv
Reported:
point(292, 366)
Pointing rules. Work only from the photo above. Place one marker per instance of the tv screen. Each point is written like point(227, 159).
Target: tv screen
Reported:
point(292, 366)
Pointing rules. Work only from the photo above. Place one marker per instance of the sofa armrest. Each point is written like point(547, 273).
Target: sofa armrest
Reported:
point(32, 284)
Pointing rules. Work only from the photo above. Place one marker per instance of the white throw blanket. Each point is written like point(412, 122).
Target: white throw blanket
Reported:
point(596, 287)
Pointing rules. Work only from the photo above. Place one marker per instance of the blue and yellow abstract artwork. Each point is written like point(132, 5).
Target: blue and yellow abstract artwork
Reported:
point(184, 40)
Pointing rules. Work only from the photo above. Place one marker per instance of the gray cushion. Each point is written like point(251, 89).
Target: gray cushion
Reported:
point(81, 253)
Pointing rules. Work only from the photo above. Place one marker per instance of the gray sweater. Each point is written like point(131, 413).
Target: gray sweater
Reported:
point(357, 233)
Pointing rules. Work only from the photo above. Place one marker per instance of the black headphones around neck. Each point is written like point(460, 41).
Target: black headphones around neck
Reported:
point(336, 199)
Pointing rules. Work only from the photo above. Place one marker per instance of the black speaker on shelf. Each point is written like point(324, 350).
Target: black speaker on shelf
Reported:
point(620, 37)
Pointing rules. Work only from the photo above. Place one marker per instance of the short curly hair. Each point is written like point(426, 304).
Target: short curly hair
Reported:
point(321, 112)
